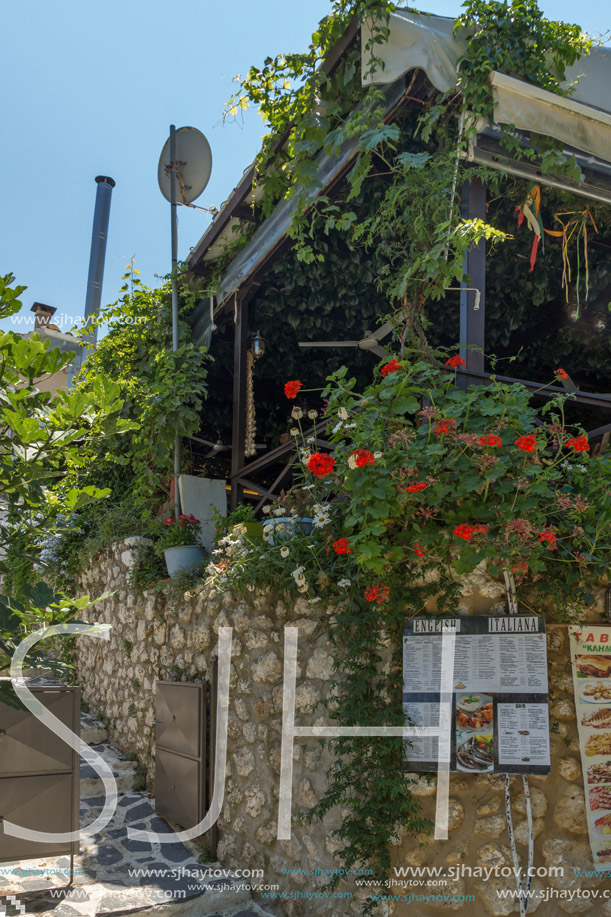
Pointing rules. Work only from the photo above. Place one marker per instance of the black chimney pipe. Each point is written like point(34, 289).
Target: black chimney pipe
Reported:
point(97, 256)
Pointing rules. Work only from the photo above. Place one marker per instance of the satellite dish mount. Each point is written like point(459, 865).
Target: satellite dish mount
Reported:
point(184, 165)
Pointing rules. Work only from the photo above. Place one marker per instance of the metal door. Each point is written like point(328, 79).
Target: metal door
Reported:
point(39, 775)
point(184, 738)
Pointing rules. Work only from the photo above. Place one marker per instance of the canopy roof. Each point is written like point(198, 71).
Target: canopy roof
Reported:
point(426, 42)
point(582, 121)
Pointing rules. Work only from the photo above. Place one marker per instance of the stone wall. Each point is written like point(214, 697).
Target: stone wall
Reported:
point(163, 636)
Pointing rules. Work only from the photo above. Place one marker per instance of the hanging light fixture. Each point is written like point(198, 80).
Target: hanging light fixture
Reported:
point(258, 346)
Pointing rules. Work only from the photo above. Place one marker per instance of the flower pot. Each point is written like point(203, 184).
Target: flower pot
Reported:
point(254, 530)
point(282, 527)
point(183, 558)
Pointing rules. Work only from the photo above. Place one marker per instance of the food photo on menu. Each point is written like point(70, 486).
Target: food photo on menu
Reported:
point(593, 666)
point(599, 773)
point(595, 692)
point(598, 744)
point(598, 719)
point(474, 733)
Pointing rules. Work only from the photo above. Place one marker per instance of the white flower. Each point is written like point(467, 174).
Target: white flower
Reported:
point(343, 583)
point(294, 431)
point(350, 426)
point(279, 511)
point(305, 456)
point(312, 414)
point(298, 576)
point(352, 462)
point(342, 414)
point(284, 552)
point(250, 587)
point(377, 455)
point(311, 439)
point(337, 427)
point(296, 413)
point(267, 509)
point(314, 600)
point(321, 515)
point(302, 587)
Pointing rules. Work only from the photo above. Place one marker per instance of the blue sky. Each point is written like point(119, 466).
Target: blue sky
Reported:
point(92, 89)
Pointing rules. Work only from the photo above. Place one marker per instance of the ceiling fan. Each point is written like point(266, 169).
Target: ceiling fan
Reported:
point(218, 446)
point(371, 341)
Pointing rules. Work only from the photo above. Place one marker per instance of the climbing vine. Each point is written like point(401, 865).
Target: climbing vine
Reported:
point(418, 492)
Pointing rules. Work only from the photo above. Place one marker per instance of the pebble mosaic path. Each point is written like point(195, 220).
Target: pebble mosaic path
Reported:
point(108, 876)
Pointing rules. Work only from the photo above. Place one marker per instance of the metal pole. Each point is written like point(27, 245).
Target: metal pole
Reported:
point(174, 222)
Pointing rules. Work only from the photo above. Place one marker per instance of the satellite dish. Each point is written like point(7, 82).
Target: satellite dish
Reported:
point(194, 159)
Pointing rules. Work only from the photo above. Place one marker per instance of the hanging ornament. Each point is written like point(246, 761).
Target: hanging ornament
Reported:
point(251, 422)
point(574, 228)
point(530, 211)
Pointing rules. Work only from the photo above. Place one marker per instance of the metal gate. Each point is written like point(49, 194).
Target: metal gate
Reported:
point(185, 738)
point(39, 775)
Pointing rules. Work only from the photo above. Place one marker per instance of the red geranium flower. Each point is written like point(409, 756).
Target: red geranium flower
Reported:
point(466, 531)
point(520, 567)
point(490, 440)
point(321, 464)
point(377, 593)
point(561, 373)
point(169, 521)
point(415, 486)
point(392, 367)
point(579, 444)
point(527, 443)
point(455, 361)
point(291, 388)
point(420, 552)
point(342, 546)
point(548, 538)
point(444, 426)
point(363, 457)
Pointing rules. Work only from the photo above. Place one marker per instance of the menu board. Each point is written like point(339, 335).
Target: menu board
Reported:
point(591, 664)
point(499, 716)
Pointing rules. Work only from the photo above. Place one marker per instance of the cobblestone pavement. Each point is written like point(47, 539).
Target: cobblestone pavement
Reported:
point(115, 875)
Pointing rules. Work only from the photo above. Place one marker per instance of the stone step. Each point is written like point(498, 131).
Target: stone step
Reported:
point(124, 772)
point(92, 731)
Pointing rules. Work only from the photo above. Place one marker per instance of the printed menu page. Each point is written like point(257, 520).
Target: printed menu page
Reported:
point(590, 649)
point(499, 688)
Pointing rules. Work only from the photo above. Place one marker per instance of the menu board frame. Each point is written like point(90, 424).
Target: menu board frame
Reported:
point(500, 713)
point(590, 648)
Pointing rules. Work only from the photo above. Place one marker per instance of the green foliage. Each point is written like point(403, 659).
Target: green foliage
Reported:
point(397, 216)
point(178, 532)
point(162, 390)
point(443, 483)
point(515, 38)
point(39, 606)
point(41, 435)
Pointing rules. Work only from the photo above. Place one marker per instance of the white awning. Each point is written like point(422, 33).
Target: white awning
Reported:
point(582, 121)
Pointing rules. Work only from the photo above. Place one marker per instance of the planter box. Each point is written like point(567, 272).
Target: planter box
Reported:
point(183, 558)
